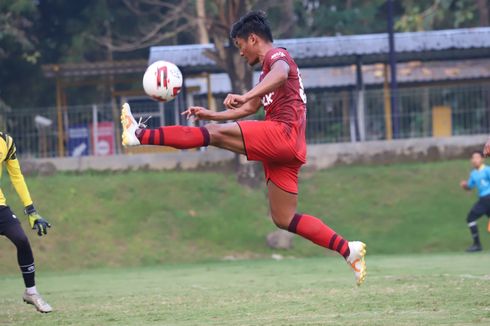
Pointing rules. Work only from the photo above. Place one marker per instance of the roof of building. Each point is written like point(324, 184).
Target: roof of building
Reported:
point(100, 68)
point(456, 44)
point(344, 50)
point(412, 72)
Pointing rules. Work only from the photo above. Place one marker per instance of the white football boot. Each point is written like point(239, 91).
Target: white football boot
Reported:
point(129, 126)
point(37, 301)
point(356, 260)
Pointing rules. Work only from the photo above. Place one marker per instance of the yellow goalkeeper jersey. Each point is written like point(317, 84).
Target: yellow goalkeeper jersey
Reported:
point(9, 156)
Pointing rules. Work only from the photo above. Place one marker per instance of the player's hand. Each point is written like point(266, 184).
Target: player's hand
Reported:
point(464, 184)
point(486, 149)
point(199, 113)
point(36, 221)
point(234, 101)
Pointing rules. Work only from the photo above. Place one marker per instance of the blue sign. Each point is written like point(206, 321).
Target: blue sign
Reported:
point(78, 140)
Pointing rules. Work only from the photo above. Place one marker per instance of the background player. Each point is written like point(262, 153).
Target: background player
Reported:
point(278, 142)
point(479, 178)
point(11, 227)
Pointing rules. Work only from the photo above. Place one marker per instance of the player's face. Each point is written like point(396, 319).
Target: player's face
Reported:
point(248, 48)
point(476, 160)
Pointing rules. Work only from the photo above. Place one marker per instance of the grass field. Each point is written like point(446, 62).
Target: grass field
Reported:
point(400, 290)
point(151, 252)
point(144, 218)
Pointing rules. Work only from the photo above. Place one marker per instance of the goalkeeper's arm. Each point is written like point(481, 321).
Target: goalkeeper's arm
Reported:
point(17, 179)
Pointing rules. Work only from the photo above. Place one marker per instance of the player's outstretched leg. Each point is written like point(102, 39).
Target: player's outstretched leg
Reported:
point(26, 264)
point(181, 137)
point(315, 230)
point(283, 207)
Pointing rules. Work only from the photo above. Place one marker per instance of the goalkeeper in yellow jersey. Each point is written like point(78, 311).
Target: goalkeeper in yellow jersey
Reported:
point(11, 227)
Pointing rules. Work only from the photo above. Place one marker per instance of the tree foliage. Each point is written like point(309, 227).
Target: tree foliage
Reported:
point(33, 33)
point(439, 14)
point(16, 33)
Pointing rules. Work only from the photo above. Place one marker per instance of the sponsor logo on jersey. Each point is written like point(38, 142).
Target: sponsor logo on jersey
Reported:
point(267, 99)
point(278, 55)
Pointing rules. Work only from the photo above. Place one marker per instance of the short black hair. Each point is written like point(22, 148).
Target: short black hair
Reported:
point(253, 22)
point(477, 152)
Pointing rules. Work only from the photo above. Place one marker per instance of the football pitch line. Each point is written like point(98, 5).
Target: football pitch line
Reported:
point(400, 290)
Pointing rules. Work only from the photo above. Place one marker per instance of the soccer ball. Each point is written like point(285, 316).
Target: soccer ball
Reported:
point(162, 81)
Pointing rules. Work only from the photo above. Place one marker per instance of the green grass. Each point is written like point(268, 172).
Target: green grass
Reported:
point(143, 218)
point(400, 290)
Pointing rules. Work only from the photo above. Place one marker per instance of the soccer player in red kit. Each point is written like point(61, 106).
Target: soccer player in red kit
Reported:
point(278, 142)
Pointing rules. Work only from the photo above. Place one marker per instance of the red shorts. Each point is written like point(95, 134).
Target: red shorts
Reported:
point(277, 146)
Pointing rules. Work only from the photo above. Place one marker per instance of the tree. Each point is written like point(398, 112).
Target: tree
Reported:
point(219, 18)
point(16, 20)
point(151, 22)
point(17, 42)
point(484, 14)
point(339, 17)
point(222, 15)
point(50, 31)
point(441, 14)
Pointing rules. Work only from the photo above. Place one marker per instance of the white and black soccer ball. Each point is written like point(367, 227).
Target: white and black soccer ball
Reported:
point(162, 81)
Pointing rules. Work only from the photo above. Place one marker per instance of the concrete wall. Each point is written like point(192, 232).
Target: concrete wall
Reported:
point(319, 156)
point(211, 159)
point(386, 152)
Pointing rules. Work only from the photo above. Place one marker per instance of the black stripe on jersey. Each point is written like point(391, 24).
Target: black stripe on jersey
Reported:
point(11, 154)
point(5, 138)
point(8, 147)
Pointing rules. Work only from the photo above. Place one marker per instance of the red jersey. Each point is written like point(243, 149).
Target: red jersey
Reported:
point(288, 102)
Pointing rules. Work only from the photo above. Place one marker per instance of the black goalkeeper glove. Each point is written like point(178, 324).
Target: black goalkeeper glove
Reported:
point(36, 221)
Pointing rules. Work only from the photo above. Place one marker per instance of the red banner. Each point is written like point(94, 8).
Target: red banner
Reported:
point(103, 139)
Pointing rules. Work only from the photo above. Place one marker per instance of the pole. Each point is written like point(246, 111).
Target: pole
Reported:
point(393, 83)
point(59, 113)
point(354, 129)
point(211, 104)
point(387, 101)
point(161, 113)
point(95, 130)
point(361, 117)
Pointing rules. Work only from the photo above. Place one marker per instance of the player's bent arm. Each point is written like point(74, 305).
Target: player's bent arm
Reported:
point(249, 108)
point(17, 179)
point(468, 185)
point(201, 113)
point(274, 79)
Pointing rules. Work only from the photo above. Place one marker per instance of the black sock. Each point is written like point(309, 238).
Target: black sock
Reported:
point(24, 253)
point(474, 232)
point(28, 273)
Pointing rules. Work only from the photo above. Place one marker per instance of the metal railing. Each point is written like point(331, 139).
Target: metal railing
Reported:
point(332, 117)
